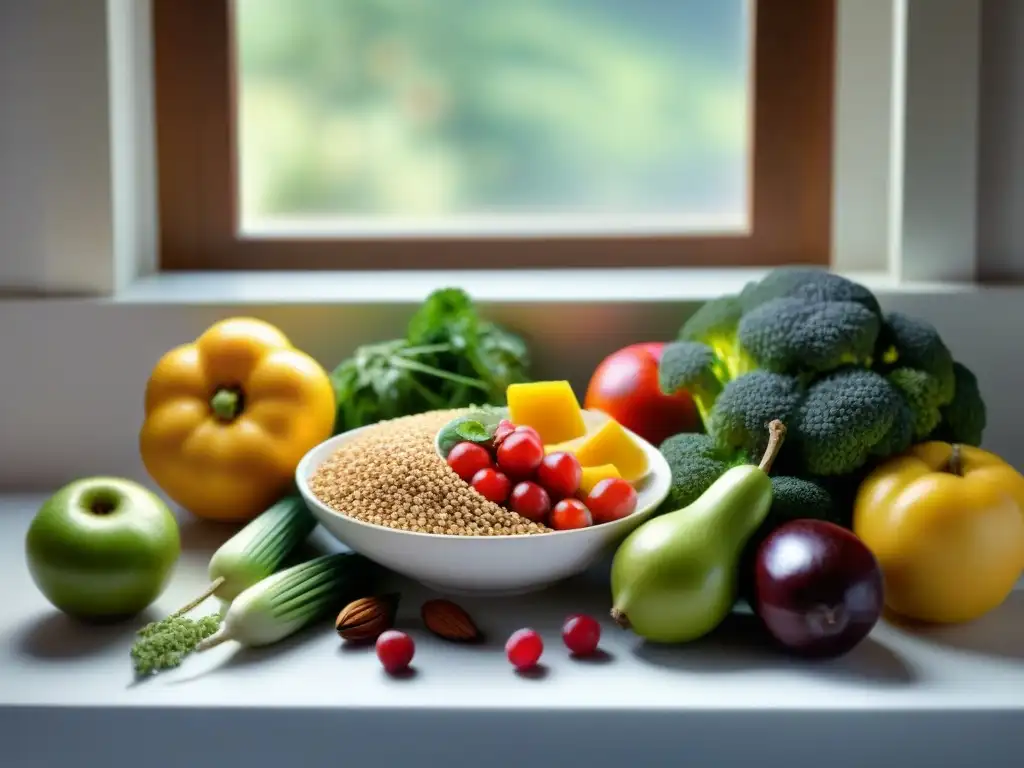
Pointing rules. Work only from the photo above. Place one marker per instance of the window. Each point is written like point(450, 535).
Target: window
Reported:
point(353, 134)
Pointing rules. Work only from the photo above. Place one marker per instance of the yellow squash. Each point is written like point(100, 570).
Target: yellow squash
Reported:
point(946, 523)
point(229, 416)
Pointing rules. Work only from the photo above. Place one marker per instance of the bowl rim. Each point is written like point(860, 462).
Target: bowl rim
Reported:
point(303, 468)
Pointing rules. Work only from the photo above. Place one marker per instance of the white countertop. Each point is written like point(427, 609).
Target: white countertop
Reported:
point(727, 698)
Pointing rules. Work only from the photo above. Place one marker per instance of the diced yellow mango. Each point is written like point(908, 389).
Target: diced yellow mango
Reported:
point(612, 444)
point(550, 407)
point(569, 446)
point(593, 475)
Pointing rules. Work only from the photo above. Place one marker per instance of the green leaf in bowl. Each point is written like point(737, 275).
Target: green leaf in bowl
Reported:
point(476, 427)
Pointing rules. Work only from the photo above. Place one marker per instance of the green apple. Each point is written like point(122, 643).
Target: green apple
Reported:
point(102, 548)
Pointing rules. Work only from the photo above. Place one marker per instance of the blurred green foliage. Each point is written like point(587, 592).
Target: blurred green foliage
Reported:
point(434, 107)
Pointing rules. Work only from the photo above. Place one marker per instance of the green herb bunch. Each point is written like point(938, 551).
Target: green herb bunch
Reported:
point(450, 358)
point(164, 644)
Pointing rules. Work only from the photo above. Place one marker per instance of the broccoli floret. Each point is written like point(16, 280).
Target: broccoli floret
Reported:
point(696, 462)
point(714, 324)
point(964, 419)
point(747, 404)
point(813, 284)
point(794, 498)
point(793, 335)
point(693, 367)
point(908, 342)
point(921, 392)
point(843, 417)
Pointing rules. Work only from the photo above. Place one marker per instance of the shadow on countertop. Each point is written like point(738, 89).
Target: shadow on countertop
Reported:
point(1000, 633)
point(740, 645)
point(58, 637)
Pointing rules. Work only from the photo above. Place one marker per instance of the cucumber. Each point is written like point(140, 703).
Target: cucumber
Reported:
point(256, 551)
point(294, 598)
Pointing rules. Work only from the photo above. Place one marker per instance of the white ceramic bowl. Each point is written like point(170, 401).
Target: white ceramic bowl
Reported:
point(478, 564)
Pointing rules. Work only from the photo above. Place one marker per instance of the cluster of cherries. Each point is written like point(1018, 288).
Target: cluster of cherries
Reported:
point(580, 633)
point(514, 471)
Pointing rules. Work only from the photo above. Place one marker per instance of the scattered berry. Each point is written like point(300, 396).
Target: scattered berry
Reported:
point(570, 514)
point(581, 634)
point(524, 649)
point(560, 474)
point(395, 650)
point(531, 501)
point(492, 485)
point(611, 499)
point(467, 459)
point(520, 454)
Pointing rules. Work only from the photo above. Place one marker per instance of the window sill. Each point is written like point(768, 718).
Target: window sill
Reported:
point(489, 287)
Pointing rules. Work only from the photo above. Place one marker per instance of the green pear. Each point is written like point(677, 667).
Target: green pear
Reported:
point(675, 578)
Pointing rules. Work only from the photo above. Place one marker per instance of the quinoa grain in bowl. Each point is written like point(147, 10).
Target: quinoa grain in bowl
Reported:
point(391, 475)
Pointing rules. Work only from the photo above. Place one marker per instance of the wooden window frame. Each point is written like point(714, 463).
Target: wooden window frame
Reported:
point(793, 72)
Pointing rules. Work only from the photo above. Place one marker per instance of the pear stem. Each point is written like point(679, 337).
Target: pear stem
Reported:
point(776, 435)
point(955, 465)
point(620, 618)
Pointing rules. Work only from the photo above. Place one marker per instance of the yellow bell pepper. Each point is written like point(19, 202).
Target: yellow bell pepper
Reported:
point(946, 523)
point(228, 417)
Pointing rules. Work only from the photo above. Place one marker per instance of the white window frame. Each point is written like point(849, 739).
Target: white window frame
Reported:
point(905, 173)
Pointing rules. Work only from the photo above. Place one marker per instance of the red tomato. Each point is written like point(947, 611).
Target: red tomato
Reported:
point(569, 514)
point(625, 386)
point(520, 454)
point(531, 501)
point(611, 499)
point(467, 459)
point(492, 485)
point(560, 474)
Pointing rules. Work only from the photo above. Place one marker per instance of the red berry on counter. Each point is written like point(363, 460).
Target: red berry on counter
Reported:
point(570, 514)
point(524, 649)
point(611, 499)
point(520, 454)
point(560, 474)
point(395, 650)
point(531, 501)
point(467, 459)
point(503, 430)
point(581, 634)
point(492, 485)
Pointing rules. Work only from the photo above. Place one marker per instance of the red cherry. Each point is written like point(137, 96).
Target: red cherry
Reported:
point(520, 454)
point(524, 649)
point(531, 501)
point(611, 499)
point(525, 430)
point(581, 634)
point(492, 485)
point(503, 430)
point(467, 459)
point(560, 473)
point(570, 514)
point(395, 650)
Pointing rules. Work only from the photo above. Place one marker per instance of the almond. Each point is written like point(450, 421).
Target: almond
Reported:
point(367, 618)
point(449, 622)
